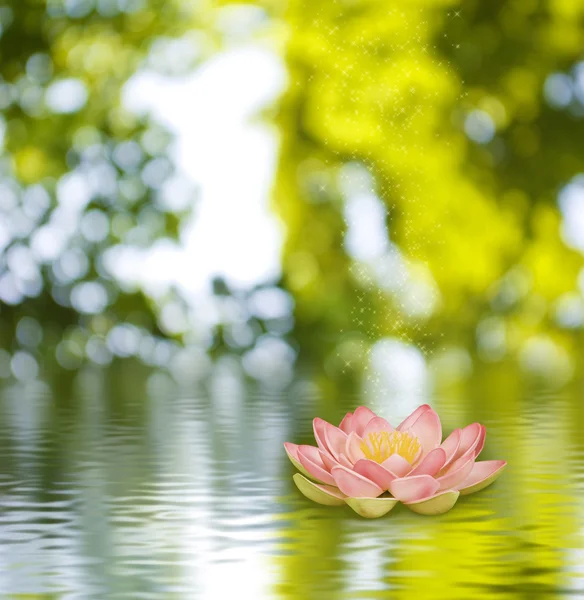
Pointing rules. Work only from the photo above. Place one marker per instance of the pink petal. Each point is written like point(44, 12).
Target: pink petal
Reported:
point(329, 438)
point(328, 461)
point(343, 460)
point(318, 428)
point(374, 472)
point(316, 471)
point(431, 463)
point(355, 485)
point(458, 471)
point(469, 439)
point(450, 445)
point(361, 417)
point(335, 439)
point(428, 430)
point(481, 442)
point(377, 424)
point(291, 450)
point(411, 419)
point(312, 453)
point(409, 489)
point(483, 474)
point(353, 448)
point(346, 424)
point(397, 464)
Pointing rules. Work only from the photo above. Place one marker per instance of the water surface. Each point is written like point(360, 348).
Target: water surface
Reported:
point(132, 487)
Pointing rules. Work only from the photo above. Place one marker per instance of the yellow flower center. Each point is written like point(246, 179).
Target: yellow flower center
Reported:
point(379, 446)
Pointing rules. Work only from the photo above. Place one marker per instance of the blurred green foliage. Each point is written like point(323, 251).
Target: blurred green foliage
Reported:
point(449, 127)
point(79, 173)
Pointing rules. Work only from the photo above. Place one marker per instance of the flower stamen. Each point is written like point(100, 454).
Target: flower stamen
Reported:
point(380, 445)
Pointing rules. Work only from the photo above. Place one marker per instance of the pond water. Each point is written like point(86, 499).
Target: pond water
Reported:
point(128, 486)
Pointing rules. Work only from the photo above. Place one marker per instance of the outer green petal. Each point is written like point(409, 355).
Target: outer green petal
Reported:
point(371, 508)
point(436, 505)
point(472, 485)
point(321, 494)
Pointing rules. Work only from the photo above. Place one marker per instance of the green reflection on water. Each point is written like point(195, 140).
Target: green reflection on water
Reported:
point(119, 484)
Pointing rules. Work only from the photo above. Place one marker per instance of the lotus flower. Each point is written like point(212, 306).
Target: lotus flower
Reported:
point(363, 458)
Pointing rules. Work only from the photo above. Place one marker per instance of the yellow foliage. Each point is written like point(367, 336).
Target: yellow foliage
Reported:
point(394, 87)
